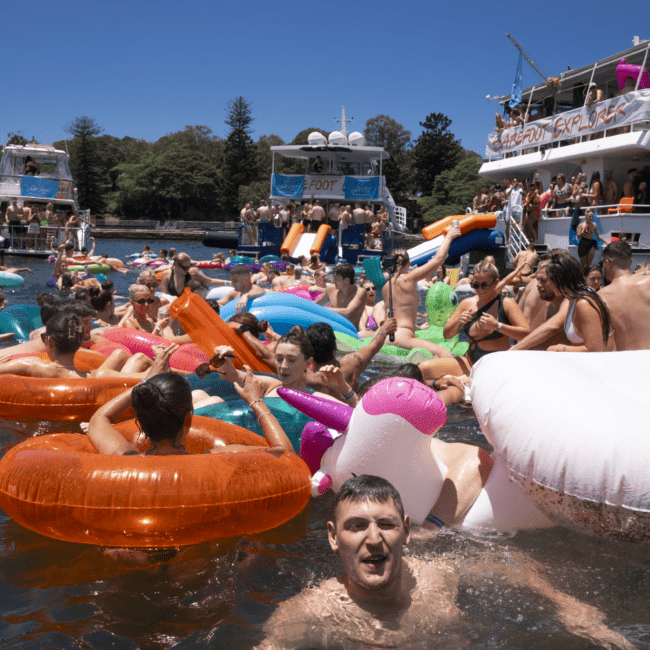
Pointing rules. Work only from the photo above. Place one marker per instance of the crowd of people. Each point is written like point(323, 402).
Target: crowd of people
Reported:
point(312, 214)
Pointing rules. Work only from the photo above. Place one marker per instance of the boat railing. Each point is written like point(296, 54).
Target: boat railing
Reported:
point(609, 210)
point(516, 241)
point(42, 239)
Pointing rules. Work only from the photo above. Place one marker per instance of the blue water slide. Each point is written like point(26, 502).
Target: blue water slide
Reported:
point(483, 240)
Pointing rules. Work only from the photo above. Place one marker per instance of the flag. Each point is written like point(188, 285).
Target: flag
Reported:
point(516, 94)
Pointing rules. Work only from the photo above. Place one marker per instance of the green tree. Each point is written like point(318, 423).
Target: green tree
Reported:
point(85, 163)
point(16, 138)
point(301, 138)
point(435, 151)
point(453, 190)
point(240, 156)
point(384, 131)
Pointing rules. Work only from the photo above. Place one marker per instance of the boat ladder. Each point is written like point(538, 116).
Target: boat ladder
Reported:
point(516, 241)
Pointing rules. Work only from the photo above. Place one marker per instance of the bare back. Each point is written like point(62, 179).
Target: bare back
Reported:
point(628, 300)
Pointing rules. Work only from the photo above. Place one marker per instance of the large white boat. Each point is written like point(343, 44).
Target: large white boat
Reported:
point(566, 135)
point(38, 175)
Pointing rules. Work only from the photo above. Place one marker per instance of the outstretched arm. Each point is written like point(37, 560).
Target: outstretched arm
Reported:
point(545, 331)
point(438, 259)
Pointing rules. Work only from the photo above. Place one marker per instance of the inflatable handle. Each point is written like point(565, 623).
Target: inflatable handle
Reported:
point(334, 415)
point(320, 483)
point(321, 235)
point(435, 229)
point(295, 232)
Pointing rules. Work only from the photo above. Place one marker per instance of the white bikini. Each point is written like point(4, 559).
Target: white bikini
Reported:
point(568, 326)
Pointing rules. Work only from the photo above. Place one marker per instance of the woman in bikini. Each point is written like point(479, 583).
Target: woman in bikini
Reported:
point(587, 233)
point(488, 319)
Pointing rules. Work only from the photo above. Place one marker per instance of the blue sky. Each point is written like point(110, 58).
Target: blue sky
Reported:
point(145, 69)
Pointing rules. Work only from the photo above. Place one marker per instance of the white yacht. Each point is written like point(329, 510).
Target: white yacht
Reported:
point(38, 175)
point(564, 134)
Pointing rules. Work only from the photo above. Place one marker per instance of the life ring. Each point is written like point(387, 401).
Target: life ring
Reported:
point(269, 258)
point(57, 400)
point(187, 357)
point(91, 269)
point(253, 267)
point(241, 259)
point(59, 486)
point(440, 302)
point(83, 359)
point(388, 434)
point(573, 435)
point(21, 320)
point(11, 279)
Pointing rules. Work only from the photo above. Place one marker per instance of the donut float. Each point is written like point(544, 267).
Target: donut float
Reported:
point(11, 279)
point(57, 400)
point(206, 264)
point(21, 320)
point(59, 486)
point(572, 434)
point(388, 434)
point(302, 291)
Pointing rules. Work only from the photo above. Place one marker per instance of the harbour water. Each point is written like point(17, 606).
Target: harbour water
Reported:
point(219, 594)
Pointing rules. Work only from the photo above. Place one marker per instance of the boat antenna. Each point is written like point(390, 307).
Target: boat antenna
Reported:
point(527, 57)
point(65, 142)
point(344, 128)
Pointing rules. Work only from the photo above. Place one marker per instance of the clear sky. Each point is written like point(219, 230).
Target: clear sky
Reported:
point(145, 69)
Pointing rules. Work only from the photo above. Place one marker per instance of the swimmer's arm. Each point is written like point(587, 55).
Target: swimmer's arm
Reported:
point(211, 282)
point(326, 295)
point(468, 469)
point(355, 363)
point(226, 299)
point(264, 352)
point(511, 277)
point(545, 331)
point(105, 438)
point(438, 259)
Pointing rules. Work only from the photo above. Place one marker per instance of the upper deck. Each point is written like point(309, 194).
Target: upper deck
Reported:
point(53, 181)
point(561, 127)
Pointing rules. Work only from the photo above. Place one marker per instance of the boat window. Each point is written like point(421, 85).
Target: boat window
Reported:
point(366, 169)
point(318, 166)
point(13, 165)
point(349, 169)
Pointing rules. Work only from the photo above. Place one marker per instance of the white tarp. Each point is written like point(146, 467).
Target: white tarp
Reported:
point(632, 107)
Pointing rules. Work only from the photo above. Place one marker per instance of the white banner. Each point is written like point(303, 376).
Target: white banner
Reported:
point(632, 107)
point(322, 186)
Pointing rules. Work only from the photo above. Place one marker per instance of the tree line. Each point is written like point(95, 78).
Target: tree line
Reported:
point(195, 175)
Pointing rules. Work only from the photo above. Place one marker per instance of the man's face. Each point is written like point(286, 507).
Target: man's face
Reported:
point(608, 175)
point(544, 285)
point(340, 282)
point(240, 282)
point(369, 538)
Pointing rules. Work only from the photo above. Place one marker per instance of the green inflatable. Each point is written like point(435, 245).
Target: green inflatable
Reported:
point(440, 303)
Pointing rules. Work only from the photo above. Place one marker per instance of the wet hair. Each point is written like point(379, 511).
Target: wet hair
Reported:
point(285, 258)
point(590, 269)
point(163, 251)
point(137, 288)
point(108, 285)
point(240, 269)
point(407, 370)
point(273, 271)
point(101, 300)
point(484, 266)
point(82, 294)
point(80, 308)
point(66, 332)
point(255, 326)
point(323, 341)
point(147, 276)
point(619, 253)
point(565, 273)
point(43, 298)
point(182, 258)
point(296, 336)
point(67, 281)
point(48, 310)
point(368, 488)
point(345, 271)
point(214, 304)
point(297, 273)
point(161, 404)
point(196, 284)
point(400, 259)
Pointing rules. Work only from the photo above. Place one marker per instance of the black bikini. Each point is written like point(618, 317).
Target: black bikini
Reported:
point(171, 289)
point(474, 352)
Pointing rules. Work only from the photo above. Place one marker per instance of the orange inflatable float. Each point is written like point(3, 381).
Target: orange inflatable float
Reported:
point(208, 330)
point(321, 235)
point(466, 222)
point(59, 486)
point(294, 232)
point(83, 359)
point(57, 400)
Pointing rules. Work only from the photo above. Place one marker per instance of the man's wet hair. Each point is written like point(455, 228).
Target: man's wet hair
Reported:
point(240, 269)
point(214, 304)
point(619, 253)
point(44, 298)
point(322, 339)
point(48, 310)
point(366, 487)
point(345, 271)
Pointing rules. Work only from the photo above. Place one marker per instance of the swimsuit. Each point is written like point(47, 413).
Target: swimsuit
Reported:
point(585, 244)
point(371, 323)
point(171, 289)
point(568, 326)
point(475, 353)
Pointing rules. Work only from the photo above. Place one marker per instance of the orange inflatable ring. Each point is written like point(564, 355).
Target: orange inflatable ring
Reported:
point(57, 400)
point(59, 486)
point(83, 359)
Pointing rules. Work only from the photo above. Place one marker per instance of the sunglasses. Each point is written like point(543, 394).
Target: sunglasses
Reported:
point(149, 301)
point(484, 286)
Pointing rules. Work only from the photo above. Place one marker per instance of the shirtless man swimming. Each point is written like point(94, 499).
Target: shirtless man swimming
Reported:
point(386, 600)
point(242, 288)
point(406, 299)
point(344, 296)
point(628, 298)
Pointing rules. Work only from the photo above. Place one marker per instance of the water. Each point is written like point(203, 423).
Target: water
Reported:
point(219, 594)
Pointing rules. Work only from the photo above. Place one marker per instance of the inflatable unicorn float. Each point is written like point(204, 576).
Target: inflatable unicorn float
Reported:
point(389, 434)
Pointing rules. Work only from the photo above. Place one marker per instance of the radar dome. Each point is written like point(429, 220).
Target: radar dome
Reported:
point(356, 139)
point(336, 137)
point(316, 138)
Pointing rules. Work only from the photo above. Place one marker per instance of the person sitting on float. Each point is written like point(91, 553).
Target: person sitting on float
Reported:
point(488, 319)
point(11, 269)
point(588, 324)
point(367, 324)
point(64, 334)
point(293, 356)
point(103, 303)
point(175, 279)
point(74, 281)
point(320, 282)
point(163, 406)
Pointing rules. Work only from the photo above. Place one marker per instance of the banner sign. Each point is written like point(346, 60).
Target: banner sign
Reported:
point(618, 111)
point(361, 189)
point(288, 187)
point(42, 188)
